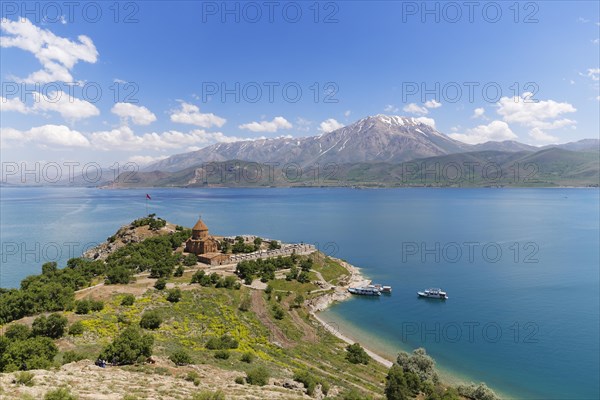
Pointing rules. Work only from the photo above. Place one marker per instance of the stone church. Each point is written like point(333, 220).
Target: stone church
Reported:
point(206, 247)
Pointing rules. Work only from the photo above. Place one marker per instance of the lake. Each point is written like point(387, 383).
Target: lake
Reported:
point(521, 266)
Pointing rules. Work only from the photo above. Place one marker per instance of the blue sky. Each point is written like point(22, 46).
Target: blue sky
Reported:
point(170, 62)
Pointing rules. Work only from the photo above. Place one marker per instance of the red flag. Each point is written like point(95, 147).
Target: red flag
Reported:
point(148, 196)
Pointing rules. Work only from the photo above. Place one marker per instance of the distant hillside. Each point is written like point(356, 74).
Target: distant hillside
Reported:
point(548, 167)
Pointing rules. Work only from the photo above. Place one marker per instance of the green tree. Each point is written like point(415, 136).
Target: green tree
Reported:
point(17, 332)
point(257, 376)
point(395, 384)
point(76, 328)
point(174, 295)
point(32, 353)
point(129, 347)
point(52, 326)
point(356, 354)
point(128, 300)
point(151, 320)
point(190, 260)
point(181, 357)
point(160, 284)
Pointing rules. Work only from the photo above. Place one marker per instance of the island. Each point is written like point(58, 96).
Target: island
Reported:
point(160, 311)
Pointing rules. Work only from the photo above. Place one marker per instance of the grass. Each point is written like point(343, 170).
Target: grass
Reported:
point(206, 312)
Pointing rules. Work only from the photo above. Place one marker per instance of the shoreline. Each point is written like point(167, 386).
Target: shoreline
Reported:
point(321, 303)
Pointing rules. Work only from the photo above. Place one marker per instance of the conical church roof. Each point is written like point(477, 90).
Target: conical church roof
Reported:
point(200, 226)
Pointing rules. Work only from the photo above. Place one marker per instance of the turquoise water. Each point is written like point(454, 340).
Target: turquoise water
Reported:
point(525, 321)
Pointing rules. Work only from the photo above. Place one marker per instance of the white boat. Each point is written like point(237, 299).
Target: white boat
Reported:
point(433, 293)
point(365, 291)
point(382, 288)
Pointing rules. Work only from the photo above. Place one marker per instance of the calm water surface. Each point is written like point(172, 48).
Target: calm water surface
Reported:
point(521, 266)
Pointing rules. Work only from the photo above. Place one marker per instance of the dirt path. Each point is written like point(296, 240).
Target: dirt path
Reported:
point(259, 307)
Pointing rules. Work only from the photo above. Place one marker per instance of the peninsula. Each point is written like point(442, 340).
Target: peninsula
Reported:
point(161, 311)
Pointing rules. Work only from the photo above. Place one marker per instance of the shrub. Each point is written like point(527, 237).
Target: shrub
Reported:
point(128, 300)
point(151, 320)
point(197, 277)
point(278, 312)
point(208, 395)
point(258, 376)
point(72, 356)
point(127, 348)
point(245, 304)
point(179, 271)
point(419, 363)
point(96, 305)
point(247, 357)
point(82, 307)
point(24, 378)
point(76, 328)
point(356, 354)
point(192, 376)
point(174, 295)
point(17, 332)
point(240, 380)
point(477, 392)
point(32, 353)
point(190, 260)
point(222, 354)
point(222, 343)
point(181, 357)
point(325, 388)
point(53, 326)
point(309, 381)
point(59, 394)
point(160, 284)
point(396, 387)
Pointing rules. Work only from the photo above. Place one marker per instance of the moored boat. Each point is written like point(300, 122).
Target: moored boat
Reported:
point(433, 293)
point(365, 291)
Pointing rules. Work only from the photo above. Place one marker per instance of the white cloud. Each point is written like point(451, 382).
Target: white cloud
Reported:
point(303, 124)
point(534, 114)
point(495, 130)
point(426, 121)
point(539, 136)
point(347, 113)
point(593, 73)
point(478, 112)
point(57, 55)
point(267, 126)
point(70, 108)
point(139, 115)
point(45, 136)
point(433, 103)
point(145, 160)
point(190, 114)
point(391, 109)
point(14, 104)
point(415, 109)
point(123, 138)
point(330, 125)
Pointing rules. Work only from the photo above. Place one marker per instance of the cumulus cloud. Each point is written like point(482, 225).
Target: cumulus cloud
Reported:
point(542, 137)
point(426, 121)
point(44, 136)
point(14, 104)
point(267, 126)
point(391, 108)
point(495, 130)
point(347, 113)
point(191, 115)
point(57, 55)
point(542, 114)
point(414, 108)
point(139, 115)
point(69, 107)
point(330, 125)
point(433, 103)
point(478, 112)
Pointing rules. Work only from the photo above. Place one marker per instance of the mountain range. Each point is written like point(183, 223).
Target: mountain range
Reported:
point(379, 138)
